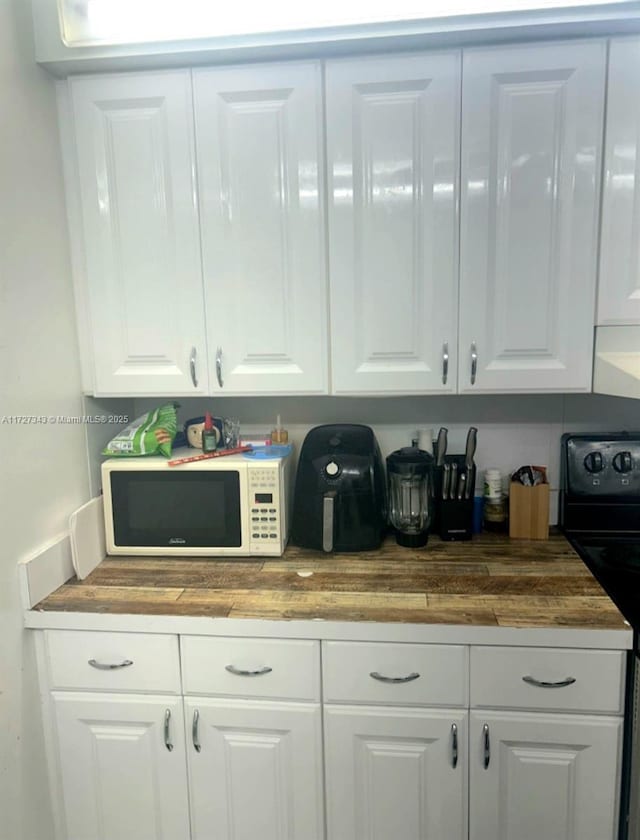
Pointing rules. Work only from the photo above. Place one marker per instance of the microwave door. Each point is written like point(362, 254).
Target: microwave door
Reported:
point(190, 509)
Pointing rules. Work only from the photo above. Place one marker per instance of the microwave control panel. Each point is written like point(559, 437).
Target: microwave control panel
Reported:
point(265, 514)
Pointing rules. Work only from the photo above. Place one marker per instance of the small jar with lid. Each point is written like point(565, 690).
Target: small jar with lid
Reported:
point(495, 502)
point(495, 513)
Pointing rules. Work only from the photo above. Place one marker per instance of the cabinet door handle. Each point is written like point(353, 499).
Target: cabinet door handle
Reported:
point(454, 745)
point(167, 733)
point(409, 678)
point(248, 672)
point(487, 745)
point(194, 731)
point(219, 366)
point(192, 365)
point(445, 362)
point(543, 684)
point(474, 362)
point(110, 666)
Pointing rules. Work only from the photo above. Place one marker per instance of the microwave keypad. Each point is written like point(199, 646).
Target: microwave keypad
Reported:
point(264, 519)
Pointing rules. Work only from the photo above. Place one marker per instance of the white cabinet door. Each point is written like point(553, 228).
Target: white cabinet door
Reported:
point(549, 776)
point(135, 156)
point(390, 773)
point(259, 139)
point(119, 780)
point(392, 147)
point(619, 282)
point(531, 141)
point(258, 773)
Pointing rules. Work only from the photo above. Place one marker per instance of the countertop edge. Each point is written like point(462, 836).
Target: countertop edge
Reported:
point(464, 634)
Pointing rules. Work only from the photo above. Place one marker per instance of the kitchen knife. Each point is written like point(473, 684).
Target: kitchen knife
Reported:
point(441, 446)
point(469, 452)
point(462, 482)
point(446, 470)
point(453, 482)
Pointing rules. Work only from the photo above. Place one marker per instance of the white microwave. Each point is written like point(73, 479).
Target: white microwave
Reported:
point(236, 505)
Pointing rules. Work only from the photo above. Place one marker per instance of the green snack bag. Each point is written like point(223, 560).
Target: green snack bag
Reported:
point(151, 434)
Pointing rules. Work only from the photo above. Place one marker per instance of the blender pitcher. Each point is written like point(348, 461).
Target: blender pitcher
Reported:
point(410, 476)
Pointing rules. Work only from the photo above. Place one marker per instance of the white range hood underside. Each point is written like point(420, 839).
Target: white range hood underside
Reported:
point(616, 368)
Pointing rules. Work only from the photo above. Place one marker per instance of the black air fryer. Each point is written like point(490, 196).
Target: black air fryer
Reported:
point(340, 495)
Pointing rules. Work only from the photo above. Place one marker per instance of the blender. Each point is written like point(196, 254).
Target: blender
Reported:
point(410, 477)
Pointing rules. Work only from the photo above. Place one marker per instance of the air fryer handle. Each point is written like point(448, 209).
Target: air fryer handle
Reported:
point(328, 503)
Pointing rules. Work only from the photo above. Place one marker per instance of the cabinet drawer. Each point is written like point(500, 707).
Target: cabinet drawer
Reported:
point(113, 661)
point(267, 668)
point(558, 679)
point(399, 674)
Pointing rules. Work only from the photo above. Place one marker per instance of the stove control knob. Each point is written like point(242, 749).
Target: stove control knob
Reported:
point(622, 462)
point(593, 462)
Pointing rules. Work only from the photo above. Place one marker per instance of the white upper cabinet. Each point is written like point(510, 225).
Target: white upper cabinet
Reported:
point(531, 138)
point(135, 172)
point(392, 147)
point(259, 140)
point(619, 283)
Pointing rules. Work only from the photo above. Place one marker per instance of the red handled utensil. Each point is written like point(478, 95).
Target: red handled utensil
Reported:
point(205, 456)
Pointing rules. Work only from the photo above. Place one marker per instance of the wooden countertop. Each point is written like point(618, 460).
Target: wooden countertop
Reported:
point(491, 581)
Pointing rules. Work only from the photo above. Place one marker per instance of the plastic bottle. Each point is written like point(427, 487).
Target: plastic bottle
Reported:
point(492, 484)
point(279, 435)
point(209, 436)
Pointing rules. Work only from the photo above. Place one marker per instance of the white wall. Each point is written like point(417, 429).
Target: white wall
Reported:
point(512, 430)
point(43, 470)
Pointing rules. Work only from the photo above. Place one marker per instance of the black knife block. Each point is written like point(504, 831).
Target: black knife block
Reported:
point(453, 518)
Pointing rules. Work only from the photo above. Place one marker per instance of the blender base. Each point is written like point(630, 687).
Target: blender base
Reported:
point(412, 540)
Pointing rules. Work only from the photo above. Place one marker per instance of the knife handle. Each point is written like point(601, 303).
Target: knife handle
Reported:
point(446, 474)
point(453, 482)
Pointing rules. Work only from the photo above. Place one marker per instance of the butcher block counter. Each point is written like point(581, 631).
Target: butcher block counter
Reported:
point(486, 589)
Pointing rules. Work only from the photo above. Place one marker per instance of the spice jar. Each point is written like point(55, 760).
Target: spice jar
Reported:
point(495, 513)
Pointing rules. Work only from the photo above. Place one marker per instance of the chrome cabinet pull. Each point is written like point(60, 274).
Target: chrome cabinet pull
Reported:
point(219, 366)
point(110, 666)
point(487, 745)
point(167, 734)
point(454, 745)
point(194, 731)
point(543, 684)
point(192, 365)
point(382, 678)
point(445, 362)
point(474, 362)
point(246, 672)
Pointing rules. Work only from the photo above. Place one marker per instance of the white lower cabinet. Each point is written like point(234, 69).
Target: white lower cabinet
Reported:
point(552, 776)
point(121, 766)
point(255, 770)
point(396, 773)
point(421, 741)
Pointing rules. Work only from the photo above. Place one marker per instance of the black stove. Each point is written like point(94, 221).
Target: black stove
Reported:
point(600, 511)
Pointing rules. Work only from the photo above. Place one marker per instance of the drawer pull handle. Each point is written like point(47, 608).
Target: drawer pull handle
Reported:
point(543, 684)
point(110, 666)
point(194, 731)
point(454, 745)
point(409, 678)
point(167, 734)
point(246, 672)
point(487, 745)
